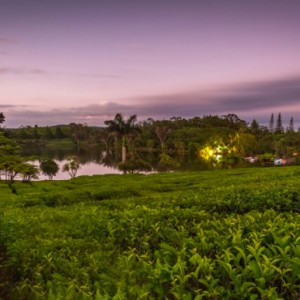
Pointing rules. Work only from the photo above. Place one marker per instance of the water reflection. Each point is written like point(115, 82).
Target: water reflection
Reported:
point(102, 162)
point(91, 163)
point(88, 168)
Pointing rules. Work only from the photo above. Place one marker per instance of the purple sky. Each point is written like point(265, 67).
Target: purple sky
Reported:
point(85, 60)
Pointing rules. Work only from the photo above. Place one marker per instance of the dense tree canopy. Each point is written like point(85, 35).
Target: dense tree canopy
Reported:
point(49, 168)
point(227, 136)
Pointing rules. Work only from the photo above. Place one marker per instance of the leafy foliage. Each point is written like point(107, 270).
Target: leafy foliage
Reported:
point(71, 166)
point(123, 129)
point(11, 164)
point(167, 163)
point(176, 135)
point(49, 167)
point(224, 234)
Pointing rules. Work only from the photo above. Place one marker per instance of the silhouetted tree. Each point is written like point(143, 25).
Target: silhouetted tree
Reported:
point(123, 129)
point(291, 125)
point(254, 127)
point(271, 124)
point(279, 127)
point(2, 118)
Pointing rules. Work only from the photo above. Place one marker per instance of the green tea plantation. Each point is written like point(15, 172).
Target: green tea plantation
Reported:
point(223, 234)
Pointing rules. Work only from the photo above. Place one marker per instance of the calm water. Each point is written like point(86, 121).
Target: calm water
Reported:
point(90, 168)
point(100, 163)
point(93, 163)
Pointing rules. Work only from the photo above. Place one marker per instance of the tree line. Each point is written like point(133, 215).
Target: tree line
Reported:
point(12, 164)
point(227, 135)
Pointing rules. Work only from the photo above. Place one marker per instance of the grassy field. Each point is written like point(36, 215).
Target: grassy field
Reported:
point(226, 234)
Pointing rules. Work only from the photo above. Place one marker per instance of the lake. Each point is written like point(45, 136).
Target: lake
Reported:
point(90, 168)
point(99, 163)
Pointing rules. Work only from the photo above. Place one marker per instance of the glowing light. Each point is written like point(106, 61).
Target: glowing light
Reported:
point(207, 153)
point(217, 152)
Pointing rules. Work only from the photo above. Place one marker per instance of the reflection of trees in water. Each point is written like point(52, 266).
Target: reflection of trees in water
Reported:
point(61, 154)
point(187, 161)
point(184, 161)
point(111, 159)
point(85, 157)
point(46, 153)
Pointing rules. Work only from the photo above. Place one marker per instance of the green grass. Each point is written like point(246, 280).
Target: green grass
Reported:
point(226, 234)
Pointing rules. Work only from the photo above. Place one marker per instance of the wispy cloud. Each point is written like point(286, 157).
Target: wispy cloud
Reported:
point(6, 40)
point(7, 106)
point(248, 100)
point(21, 71)
point(91, 114)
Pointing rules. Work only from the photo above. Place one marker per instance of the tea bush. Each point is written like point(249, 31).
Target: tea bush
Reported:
point(227, 234)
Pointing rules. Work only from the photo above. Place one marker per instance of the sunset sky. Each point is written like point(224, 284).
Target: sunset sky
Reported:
point(83, 61)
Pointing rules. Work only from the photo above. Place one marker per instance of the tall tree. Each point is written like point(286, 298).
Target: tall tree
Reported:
point(123, 129)
point(254, 127)
point(2, 118)
point(291, 125)
point(271, 124)
point(279, 127)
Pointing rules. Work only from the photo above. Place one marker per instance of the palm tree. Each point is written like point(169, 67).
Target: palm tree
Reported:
point(123, 129)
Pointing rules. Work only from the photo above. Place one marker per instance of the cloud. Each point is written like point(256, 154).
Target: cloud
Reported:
point(38, 71)
point(267, 94)
point(21, 71)
point(243, 95)
point(90, 114)
point(6, 106)
point(247, 100)
point(6, 40)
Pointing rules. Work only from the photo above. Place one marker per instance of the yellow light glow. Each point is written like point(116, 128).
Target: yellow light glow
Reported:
point(207, 153)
